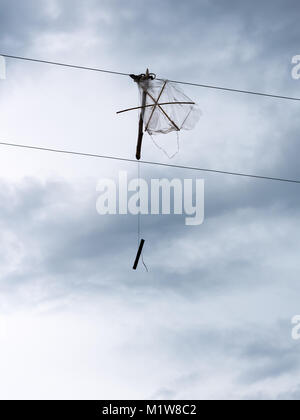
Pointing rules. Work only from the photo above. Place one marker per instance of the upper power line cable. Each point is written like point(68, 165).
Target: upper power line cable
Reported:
point(72, 66)
point(95, 69)
point(166, 165)
point(246, 92)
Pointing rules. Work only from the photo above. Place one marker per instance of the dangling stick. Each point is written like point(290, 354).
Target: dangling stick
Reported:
point(141, 128)
point(141, 123)
point(136, 263)
point(141, 131)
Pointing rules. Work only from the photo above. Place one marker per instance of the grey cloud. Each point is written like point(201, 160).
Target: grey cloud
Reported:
point(242, 263)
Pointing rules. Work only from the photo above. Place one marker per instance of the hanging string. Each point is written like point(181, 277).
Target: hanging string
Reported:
point(163, 150)
point(140, 218)
point(139, 201)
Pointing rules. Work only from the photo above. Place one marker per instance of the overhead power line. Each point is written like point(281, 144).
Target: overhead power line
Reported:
point(221, 88)
point(246, 92)
point(55, 63)
point(165, 165)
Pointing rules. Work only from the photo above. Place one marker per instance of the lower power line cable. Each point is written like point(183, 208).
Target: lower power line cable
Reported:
point(144, 162)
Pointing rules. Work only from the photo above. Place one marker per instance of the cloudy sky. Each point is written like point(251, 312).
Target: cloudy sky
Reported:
point(212, 318)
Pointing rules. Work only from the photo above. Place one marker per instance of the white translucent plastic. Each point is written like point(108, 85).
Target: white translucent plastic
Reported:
point(164, 119)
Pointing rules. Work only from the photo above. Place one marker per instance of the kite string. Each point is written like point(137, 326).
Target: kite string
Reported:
point(140, 217)
point(139, 201)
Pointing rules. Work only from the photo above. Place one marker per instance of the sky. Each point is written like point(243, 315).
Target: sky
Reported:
point(212, 318)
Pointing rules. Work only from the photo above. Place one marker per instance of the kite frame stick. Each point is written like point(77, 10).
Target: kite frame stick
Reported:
point(163, 111)
point(136, 263)
point(155, 106)
point(148, 106)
